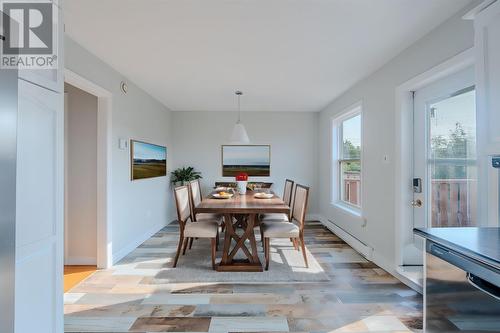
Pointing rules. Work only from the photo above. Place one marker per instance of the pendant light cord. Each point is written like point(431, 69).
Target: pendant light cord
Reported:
point(238, 94)
point(239, 109)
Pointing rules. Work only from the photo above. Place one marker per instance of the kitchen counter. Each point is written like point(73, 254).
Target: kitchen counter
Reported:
point(482, 244)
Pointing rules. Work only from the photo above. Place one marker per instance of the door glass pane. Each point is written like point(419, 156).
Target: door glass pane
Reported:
point(452, 160)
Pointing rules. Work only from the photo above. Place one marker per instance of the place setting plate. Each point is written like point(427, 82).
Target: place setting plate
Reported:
point(262, 195)
point(222, 195)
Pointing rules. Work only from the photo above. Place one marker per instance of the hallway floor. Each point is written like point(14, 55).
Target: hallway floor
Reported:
point(74, 274)
point(360, 297)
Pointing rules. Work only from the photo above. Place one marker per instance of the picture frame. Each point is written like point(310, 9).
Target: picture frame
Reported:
point(147, 160)
point(254, 160)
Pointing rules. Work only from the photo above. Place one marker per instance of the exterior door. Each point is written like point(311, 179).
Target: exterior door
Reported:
point(445, 161)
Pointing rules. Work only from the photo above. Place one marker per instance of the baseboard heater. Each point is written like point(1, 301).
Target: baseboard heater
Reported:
point(360, 247)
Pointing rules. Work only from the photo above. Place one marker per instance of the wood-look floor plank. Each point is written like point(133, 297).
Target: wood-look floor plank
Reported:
point(360, 297)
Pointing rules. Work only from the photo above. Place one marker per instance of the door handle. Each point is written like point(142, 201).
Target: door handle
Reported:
point(417, 203)
point(483, 285)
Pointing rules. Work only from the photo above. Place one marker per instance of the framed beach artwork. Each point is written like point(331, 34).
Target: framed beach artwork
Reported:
point(254, 160)
point(147, 160)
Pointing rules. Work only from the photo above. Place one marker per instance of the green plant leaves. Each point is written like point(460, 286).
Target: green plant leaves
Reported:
point(184, 174)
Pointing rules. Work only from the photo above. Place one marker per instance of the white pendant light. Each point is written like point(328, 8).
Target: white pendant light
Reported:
point(239, 135)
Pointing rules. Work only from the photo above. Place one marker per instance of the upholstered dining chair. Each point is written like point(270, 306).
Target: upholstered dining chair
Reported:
point(293, 230)
point(189, 229)
point(287, 198)
point(196, 197)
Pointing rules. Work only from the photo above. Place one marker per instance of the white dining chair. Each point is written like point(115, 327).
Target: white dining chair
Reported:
point(293, 230)
point(287, 198)
point(189, 229)
point(196, 198)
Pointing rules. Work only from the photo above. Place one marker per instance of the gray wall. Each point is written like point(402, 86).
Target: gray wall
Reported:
point(377, 93)
point(141, 207)
point(198, 137)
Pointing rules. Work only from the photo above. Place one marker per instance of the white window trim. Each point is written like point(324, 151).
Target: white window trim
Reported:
point(335, 139)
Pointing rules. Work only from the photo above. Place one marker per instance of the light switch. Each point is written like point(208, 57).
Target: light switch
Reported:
point(122, 144)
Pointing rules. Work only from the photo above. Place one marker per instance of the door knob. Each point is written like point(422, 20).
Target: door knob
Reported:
point(416, 203)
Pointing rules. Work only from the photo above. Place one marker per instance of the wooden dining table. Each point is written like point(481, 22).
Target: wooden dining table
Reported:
point(241, 211)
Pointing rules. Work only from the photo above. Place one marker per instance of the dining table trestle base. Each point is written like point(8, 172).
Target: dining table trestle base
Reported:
point(241, 214)
point(239, 265)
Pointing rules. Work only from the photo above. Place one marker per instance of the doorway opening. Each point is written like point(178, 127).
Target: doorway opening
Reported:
point(444, 159)
point(435, 156)
point(87, 236)
point(80, 190)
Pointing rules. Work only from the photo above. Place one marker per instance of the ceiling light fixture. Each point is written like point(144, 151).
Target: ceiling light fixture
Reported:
point(239, 134)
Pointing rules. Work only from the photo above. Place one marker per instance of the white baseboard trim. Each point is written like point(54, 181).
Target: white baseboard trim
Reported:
point(119, 255)
point(313, 217)
point(360, 247)
point(80, 261)
point(366, 251)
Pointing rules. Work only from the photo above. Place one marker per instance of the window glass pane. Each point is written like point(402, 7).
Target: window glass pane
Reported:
point(452, 162)
point(351, 138)
point(350, 187)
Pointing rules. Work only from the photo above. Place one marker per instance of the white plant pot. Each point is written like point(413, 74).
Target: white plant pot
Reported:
point(242, 186)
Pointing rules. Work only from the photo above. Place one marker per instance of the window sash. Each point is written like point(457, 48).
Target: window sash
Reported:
point(341, 147)
point(344, 188)
point(341, 158)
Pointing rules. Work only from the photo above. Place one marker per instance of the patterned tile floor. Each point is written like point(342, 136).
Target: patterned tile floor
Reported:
point(360, 297)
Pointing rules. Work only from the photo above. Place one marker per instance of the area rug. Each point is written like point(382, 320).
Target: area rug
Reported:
point(157, 254)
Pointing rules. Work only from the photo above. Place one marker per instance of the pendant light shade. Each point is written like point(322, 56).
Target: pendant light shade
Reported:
point(239, 135)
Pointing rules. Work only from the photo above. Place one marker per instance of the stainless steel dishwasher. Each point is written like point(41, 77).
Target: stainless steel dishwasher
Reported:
point(462, 294)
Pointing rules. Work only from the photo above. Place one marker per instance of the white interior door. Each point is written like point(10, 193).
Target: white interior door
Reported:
point(39, 218)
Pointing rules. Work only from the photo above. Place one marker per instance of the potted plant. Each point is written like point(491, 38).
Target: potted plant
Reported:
point(182, 176)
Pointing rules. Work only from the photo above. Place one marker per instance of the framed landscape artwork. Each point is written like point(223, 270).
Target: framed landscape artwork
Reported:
point(147, 160)
point(254, 160)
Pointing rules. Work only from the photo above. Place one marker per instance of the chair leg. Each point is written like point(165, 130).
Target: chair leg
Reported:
point(303, 245)
point(262, 238)
point(179, 247)
point(186, 241)
point(295, 243)
point(191, 243)
point(267, 250)
point(213, 241)
point(217, 241)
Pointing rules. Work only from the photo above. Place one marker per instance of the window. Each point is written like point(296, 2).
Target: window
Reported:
point(347, 164)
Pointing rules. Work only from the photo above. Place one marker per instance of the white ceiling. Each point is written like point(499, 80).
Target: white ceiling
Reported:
point(286, 55)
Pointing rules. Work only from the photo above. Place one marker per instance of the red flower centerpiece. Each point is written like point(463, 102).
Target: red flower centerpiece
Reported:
point(242, 181)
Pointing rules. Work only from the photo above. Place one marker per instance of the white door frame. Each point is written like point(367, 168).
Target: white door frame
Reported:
point(104, 171)
point(403, 157)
